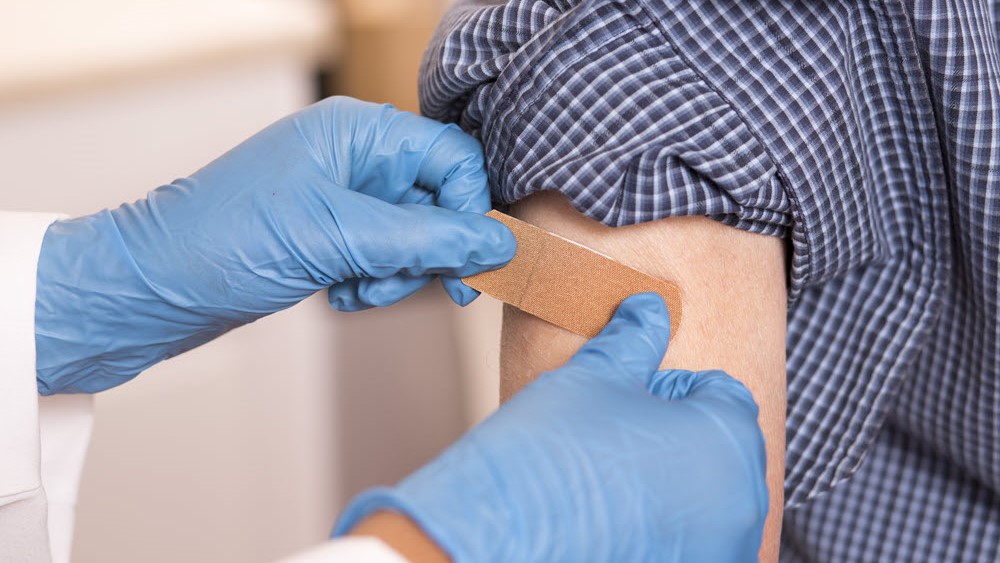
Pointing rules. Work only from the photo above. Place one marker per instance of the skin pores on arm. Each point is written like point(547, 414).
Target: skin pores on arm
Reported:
point(734, 303)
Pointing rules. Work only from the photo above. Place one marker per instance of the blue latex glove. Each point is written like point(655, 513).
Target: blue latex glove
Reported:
point(360, 198)
point(605, 459)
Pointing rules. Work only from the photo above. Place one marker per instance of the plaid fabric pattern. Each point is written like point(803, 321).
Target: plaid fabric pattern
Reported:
point(864, 132)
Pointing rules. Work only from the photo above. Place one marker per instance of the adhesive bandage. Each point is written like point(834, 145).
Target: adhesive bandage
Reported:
point(567, 284)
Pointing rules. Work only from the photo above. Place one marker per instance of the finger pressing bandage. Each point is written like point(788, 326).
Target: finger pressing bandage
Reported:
point(567, 284)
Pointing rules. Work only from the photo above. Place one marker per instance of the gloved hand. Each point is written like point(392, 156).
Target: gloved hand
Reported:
point(361, 198)
point(605, 459)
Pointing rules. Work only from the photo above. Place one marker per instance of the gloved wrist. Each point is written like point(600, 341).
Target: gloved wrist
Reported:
point(92, 307)
point(445, 504)
point(388, 499)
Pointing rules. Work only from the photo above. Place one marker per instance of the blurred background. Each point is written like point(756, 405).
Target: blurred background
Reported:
point(247, 448)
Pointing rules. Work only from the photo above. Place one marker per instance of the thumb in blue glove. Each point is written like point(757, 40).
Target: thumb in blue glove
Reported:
point(604, 459)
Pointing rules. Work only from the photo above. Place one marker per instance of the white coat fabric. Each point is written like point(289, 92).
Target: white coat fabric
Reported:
point(43, 440)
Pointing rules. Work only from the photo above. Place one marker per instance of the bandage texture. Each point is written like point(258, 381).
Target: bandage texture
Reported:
point(567, 284)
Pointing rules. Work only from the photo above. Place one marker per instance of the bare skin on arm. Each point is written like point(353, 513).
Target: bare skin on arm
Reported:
point(403, 535)
point(734, 299)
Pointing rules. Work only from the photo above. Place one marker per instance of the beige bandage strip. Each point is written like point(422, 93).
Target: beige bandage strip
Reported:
point(567, 284)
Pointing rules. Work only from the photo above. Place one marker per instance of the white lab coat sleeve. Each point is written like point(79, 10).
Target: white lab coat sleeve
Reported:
point(30, 462)
point(362, 549)
point(65, 422)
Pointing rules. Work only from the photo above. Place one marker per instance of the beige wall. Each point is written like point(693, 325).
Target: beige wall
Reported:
point(384, 41)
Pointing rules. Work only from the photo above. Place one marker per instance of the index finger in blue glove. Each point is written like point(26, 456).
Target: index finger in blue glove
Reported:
point(631, 346)
point(384, 239)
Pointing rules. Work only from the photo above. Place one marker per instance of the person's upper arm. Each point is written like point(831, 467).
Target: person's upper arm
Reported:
point(734, 299)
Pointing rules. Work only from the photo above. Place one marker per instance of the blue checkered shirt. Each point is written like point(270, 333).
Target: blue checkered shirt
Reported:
point(868, 135)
